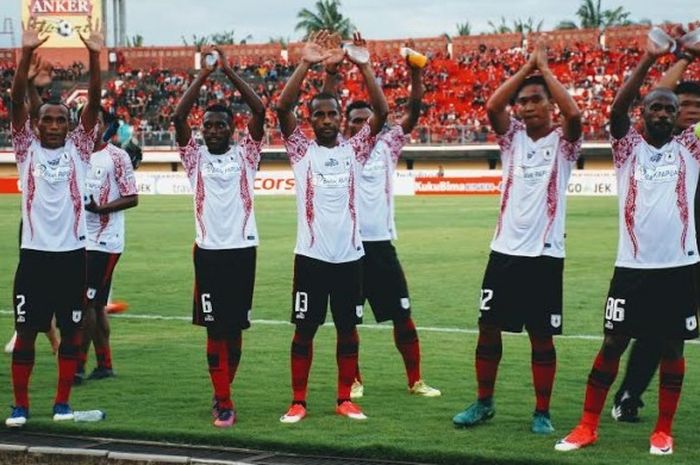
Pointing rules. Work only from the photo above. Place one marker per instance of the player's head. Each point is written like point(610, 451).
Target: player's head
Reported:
point(107, 125)
point(357, 114)
point(324, 111)
point(52, 124)
point(660, 111)
point(533, 102)
point(217, 128)
point(688, 93)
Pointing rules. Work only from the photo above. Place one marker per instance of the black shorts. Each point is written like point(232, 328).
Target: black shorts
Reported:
point(656, 303)
point(315, 281)
point(100, 267)
point(223, 287)
point(523, 291)
point(48, 284)
point(384, 284)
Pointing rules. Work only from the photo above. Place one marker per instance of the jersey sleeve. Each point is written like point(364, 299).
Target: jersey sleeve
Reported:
point(22, 139)
point(690, 139)
point(569, 150)
point(362, 143)
point(189, 156)
point(251, 150)
point(395, 139)
point(622, 148)
point(84, 141)
point(124, 174)
point(505, 141)
point(296, 145)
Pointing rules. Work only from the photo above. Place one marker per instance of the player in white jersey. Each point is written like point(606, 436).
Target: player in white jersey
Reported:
point(110, 188)
point(384, 283)
point(522, 284)
point(653, 290)
point(222, 177)
point(50, 278)
point(329, 249)
point(645, 354)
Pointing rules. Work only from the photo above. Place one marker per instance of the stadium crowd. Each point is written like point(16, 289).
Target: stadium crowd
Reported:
point(454, 104)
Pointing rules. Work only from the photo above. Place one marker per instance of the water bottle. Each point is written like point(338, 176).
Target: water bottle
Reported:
point(663, 40)
point(89, 415)
point(357, 53)
point(691, 38)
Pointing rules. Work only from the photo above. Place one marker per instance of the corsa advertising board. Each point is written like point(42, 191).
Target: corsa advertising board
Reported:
point(62, 19)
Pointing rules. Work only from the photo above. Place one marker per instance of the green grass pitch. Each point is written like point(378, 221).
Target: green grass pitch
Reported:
point(163, 392)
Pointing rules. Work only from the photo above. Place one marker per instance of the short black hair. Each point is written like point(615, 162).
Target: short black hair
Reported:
point(357, 105)
point(536, 80)
point(219, 108)
point(688, 87)
point(52, 101)
point(323, 96)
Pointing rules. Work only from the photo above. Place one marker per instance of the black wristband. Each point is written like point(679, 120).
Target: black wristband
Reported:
point(686, 56)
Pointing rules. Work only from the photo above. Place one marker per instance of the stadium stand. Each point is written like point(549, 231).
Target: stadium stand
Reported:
point(144, 83)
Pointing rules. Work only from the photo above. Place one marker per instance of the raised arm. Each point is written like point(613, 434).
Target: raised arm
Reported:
point(569, 111)
point(410, 119)
point(674, 74)
point(39, 77)
point(313, 52)
point(94, 43)
point(380, 109)
point(183, 132)
point(256, 124)
point(619, 112)
point(30, 42)
point(498, 103)
point(336, 55)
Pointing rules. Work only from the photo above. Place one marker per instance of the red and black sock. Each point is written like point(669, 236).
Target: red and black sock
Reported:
point(406, 340)
point(489, 349)
point(22, 365)
point(671, 373)
point(302, 355)
point(544, 367)
point(235, 344)
point(68, 357)
point(104, 357)
point(217, 360)
point(600, 379)
point(346, 353)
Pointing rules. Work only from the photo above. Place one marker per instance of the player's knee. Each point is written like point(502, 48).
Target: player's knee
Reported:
point(487, 329)
point(672, 349)
point(614, 345)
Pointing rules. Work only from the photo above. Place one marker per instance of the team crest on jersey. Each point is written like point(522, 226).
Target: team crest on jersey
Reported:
point(77, 315)
point(65, 158)
point(669, 157)
point(405, 303)
point(91, 292)
point(555, 320)
point(547, 152)
point(359, 311)
point(691, 323)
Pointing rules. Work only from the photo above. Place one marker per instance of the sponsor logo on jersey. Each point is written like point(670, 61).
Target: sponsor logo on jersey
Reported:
point(663, 173)
point(331, 181)
point(331, 163)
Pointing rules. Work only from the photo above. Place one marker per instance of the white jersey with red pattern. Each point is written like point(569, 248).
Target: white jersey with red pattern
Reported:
point(533, 203)
point(326, 190)
point(376, 187)
point(109, 178)
point(223, 193)
point(52, 183)
point(656, 191)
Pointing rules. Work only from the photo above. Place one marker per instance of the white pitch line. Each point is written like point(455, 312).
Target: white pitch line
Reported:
point(429, 329)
